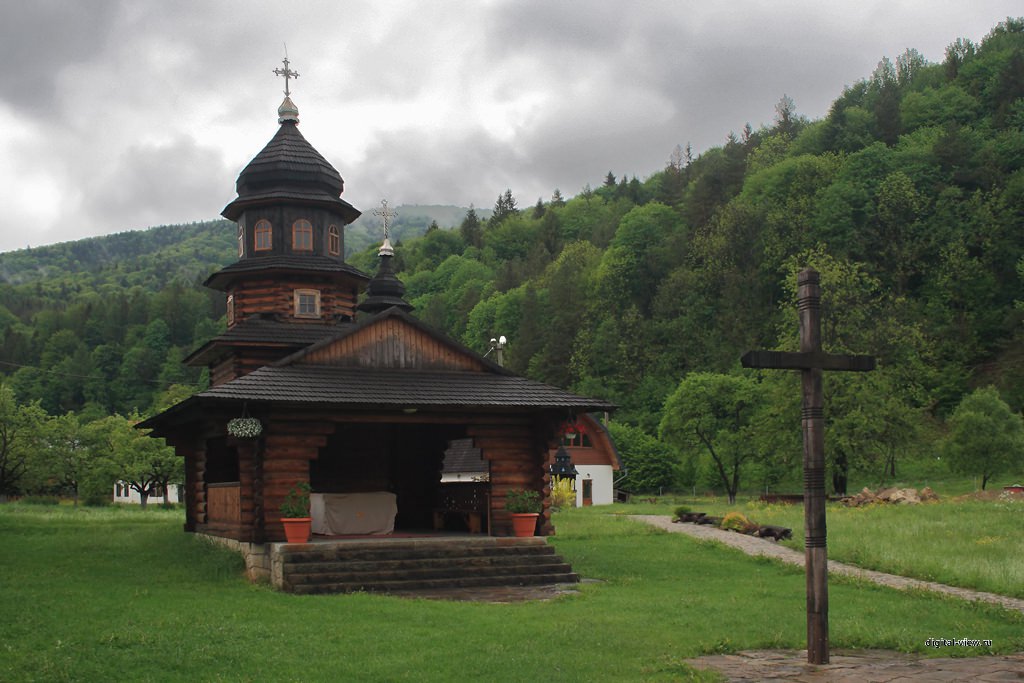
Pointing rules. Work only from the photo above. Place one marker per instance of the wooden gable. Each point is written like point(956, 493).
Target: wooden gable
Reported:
point(393, 342)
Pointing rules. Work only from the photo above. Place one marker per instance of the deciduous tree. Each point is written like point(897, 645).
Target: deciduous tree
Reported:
point(711, 413)
point(986, 438)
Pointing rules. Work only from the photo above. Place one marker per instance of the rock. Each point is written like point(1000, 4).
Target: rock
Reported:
point(927, 495)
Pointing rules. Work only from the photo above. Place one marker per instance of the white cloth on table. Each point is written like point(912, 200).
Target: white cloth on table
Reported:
point(342, 514)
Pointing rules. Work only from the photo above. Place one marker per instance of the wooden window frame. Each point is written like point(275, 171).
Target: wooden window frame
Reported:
point(231, 309)
point(334, 241)
point(299, 294)
point(263, 228)
point(241, 241)
point(304, 227)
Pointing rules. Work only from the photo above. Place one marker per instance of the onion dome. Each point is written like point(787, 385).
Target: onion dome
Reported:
point(290, 169)
point(385, 289)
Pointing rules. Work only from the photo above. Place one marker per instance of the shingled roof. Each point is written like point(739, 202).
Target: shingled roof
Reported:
point(281, 263)
point(372, 387)
point(290, 168)
point(264, 332)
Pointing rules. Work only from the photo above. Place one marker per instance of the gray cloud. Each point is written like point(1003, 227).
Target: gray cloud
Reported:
point(121, 115)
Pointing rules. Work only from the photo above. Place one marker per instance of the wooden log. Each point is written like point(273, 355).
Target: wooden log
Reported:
point(273, 440)
point(515, 466)
point(286, 466)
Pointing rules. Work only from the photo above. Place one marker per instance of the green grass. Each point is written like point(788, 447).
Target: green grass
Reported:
point(126, 595)
point(975, 544)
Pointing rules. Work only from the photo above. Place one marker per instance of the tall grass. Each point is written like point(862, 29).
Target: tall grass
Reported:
point(126, 595)
point(976, 544)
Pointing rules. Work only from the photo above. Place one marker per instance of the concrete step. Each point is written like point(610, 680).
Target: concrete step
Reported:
point(451, 573)
point(388, 551)
point(472, 561)
point(433, 584)
point(405, 565)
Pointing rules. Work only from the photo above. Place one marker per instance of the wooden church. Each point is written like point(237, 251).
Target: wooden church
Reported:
point(358, 398)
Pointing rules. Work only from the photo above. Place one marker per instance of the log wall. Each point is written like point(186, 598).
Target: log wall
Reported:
point(278, 296)
point(517, 454)
point(288, 447)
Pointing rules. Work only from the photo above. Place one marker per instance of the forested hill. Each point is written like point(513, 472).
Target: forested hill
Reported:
point(908, 197)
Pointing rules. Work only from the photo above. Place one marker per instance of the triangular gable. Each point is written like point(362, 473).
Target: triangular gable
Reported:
point(393, 340)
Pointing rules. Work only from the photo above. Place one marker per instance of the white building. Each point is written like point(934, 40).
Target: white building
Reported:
point(123, 493)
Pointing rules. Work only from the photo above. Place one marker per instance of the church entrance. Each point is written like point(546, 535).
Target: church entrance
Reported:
point(403, 460)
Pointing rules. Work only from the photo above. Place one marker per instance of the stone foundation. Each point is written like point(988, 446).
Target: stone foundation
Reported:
point(259, 558)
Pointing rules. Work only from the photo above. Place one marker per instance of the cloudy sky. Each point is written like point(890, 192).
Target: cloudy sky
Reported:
point(121, 115)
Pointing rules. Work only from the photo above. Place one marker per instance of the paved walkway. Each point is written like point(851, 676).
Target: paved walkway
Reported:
point(860, 666)
point(752, 545)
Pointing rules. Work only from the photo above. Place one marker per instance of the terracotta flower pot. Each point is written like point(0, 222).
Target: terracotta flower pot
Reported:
point(524, 523)
point(297, 529)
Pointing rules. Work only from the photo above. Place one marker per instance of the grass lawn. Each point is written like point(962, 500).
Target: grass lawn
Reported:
point(975, 544)
point(126, 595)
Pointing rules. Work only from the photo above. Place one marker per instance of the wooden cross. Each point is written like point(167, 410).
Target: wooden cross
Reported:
point(288, 74)
point(811, 361)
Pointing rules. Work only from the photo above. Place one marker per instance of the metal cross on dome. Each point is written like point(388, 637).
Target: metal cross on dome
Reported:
point(387, 213)
point(287, 73)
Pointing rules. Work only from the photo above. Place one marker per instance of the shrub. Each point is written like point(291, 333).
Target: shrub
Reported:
point(737, 521)
point(562, 492)
point(651, 464)
point(680, 511)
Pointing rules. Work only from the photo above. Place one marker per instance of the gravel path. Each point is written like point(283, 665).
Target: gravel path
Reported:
point(753, 545)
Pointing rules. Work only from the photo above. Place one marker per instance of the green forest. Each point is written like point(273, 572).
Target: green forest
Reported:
point(907, 197)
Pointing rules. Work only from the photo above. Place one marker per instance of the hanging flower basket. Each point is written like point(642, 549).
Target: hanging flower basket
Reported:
point(245, 427)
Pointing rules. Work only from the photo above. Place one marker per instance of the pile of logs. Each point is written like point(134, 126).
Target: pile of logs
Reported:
point(777, 533)
point(891, 496)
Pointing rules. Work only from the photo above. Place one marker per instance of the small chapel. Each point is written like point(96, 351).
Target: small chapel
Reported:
point(353, 395)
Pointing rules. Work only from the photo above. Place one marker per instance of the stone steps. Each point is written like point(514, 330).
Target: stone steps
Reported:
point(421, 564)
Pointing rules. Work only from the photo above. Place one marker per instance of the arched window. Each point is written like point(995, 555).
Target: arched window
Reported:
point(241, 241)
point(231, 309)
point(264, 236)
point(333, 240)
point(302, 235)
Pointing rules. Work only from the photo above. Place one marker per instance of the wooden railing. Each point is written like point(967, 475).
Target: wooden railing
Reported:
point(222, 502)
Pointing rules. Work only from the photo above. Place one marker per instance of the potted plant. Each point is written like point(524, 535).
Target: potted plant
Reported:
point(295, 514)
point(525, 506)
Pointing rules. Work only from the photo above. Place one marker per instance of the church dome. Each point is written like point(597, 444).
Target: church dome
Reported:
point(289, 168)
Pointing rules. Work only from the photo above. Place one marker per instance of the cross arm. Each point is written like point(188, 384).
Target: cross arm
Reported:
point(806, 360)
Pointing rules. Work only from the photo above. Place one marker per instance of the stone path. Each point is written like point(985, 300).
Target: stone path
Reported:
point(753, 545)
point(860, 666)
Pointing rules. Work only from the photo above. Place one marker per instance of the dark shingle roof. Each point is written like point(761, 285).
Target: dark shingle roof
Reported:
point(282, 263)
point(400, 388)
point(290, 168)
point(266, 332)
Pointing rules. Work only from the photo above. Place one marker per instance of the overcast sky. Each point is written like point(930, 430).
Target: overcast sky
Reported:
point(122, 115)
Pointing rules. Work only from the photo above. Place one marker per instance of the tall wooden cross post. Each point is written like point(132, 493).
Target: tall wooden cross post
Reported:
point(811, 361)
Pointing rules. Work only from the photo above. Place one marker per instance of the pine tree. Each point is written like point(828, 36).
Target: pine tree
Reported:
point(470, 229)
point(503, 208)
point(538, 209)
